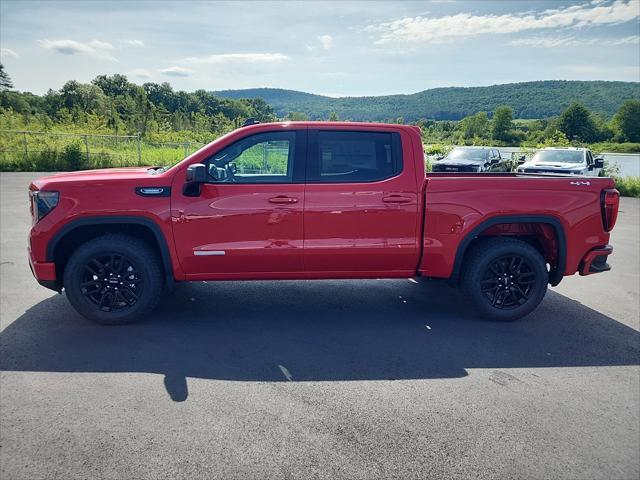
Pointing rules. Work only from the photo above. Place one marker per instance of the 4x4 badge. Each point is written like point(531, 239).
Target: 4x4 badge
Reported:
point(580, 183)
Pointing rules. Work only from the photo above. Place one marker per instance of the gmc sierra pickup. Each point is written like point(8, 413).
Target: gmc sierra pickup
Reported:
point(311, 200)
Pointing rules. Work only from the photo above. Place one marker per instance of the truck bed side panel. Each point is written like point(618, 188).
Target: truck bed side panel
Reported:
point(456, 206)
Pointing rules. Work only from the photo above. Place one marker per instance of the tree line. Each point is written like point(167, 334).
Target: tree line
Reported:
point(529, 100)
point(114, 105)
point(576, 124)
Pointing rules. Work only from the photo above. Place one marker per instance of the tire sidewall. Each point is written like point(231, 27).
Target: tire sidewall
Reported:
point(138, 253)
point(474, 275)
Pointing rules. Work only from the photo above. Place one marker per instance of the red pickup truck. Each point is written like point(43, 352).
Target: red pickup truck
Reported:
point(314, 200)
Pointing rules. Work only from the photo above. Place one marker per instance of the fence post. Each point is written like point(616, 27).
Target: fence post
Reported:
point(186, 149)
point(26, 146)
point(86, 145)
point(139, 151)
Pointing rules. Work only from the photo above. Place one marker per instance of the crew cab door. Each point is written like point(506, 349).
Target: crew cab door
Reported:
point(247, 219)
point(361, 203)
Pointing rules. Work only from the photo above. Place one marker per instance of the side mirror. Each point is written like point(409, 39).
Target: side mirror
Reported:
point(522, 158)
point(196, 173)
point(599, 162)
point(219, 174)
point(196, 176)
point(439, 157)
point(495, 160)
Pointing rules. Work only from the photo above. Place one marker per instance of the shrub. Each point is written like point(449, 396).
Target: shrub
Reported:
point(73, 158)
point(628, 186)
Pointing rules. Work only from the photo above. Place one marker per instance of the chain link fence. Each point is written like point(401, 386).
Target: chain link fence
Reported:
point(52, 151)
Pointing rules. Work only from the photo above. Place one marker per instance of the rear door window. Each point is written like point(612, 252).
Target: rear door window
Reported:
point(350, 156)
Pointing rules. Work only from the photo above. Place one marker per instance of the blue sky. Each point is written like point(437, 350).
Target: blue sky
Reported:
point(333, 48)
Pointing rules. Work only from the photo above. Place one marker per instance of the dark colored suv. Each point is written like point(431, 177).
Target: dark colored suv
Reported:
point(468, 159)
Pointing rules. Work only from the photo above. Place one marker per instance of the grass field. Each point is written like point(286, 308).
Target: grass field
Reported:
point(37, 152)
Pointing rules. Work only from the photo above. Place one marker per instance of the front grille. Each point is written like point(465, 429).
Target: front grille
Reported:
point(542, 170)
point(454, 168)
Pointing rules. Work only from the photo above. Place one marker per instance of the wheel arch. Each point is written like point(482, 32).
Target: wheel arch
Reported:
point(79, 231)
point(557, 271)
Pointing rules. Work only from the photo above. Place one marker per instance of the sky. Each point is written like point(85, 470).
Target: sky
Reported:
point(340, 48)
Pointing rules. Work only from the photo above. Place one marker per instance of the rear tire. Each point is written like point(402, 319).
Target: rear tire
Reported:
point(504, 278)
point(113, 279)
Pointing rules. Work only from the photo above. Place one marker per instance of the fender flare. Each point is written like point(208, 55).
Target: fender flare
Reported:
point(116, 220)
point(556, 273)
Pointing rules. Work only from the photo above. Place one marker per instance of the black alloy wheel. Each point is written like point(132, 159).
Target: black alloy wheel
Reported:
point(504, 278)
point(508, 282)
point(112, 281)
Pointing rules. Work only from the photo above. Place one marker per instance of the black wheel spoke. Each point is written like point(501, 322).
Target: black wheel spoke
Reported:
point(112, 282)
point(520, 292)
point(508, 281)
point(496, 268)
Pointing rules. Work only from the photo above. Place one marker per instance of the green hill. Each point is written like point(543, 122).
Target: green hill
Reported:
point(539, 99)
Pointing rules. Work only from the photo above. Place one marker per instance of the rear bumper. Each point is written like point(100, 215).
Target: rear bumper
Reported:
point(596, 261)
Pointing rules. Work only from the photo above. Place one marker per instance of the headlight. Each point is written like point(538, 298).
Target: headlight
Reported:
point(42, 202)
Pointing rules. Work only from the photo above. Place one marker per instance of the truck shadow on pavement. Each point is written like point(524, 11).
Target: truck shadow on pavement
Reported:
point(314, 331)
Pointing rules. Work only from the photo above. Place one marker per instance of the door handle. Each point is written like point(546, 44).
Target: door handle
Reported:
point(396, 199)
point(283, 199)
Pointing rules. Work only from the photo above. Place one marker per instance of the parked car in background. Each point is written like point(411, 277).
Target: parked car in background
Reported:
point(468, 159)
point(567, 160)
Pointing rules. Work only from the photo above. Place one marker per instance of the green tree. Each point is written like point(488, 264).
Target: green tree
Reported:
point(333, 117)
point(114, 85)
point(502, 124)
point(83, 97)
point(577, 123)
point(474, 126)
point(627, 120)
point(5, 79)
point(297, 116)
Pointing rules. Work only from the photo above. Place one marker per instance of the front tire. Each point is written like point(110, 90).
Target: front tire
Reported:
point(113, 279)
point(505, 278)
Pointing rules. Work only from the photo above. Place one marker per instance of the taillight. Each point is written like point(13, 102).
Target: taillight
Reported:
point(609, 202)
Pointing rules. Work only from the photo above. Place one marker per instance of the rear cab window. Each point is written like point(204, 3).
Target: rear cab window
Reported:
point(353, 156)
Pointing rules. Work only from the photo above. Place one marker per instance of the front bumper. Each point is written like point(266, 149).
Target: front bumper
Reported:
point(596, 261)
point(45, 274)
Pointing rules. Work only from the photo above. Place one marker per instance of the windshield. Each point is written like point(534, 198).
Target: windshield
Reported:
point(559, 156)
point(478, 154)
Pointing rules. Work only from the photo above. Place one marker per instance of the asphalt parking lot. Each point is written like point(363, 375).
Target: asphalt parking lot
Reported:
point(332, 379)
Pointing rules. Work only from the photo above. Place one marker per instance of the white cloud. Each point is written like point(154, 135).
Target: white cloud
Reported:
point(431, 29)
point(101, 45)
point(176, 71)
point(572, 41)
point(237, 58)
point(66, 47)
point(134, 43)
point(7, 52)
point(140, 73)
point(326, 41)
point(95, 48)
